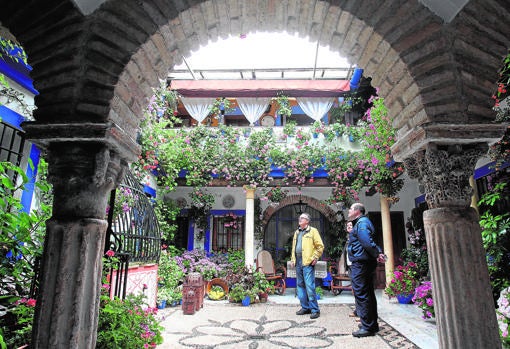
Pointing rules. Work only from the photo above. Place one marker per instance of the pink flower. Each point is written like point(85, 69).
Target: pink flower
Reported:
point(110, 253)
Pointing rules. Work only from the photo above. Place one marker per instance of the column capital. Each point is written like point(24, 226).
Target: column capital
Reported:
point(445, 172)
point(82, 175)
point(108, 133)
point(418, 138)
point(250, 191)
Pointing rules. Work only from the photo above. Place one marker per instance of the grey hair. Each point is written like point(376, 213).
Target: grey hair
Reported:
point(359, 207)
point(305, 216)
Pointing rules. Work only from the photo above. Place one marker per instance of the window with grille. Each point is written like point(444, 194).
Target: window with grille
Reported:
point(12, 146)
point(228, 232)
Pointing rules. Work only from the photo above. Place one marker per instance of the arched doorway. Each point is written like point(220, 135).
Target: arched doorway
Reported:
point(282, 222)
point(280, 229)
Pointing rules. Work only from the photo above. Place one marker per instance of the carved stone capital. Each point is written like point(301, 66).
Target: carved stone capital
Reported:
point(418, 138)
point(83, 174)
point(113, 136)
point(444, 171)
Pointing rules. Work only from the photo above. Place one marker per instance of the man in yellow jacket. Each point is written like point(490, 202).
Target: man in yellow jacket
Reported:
point(307, 248)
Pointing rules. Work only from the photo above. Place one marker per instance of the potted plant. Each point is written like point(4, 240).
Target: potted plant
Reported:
point(201, 203)
point(423, 299)
point(216, 293)
point(284, 108)
point(403, 283)
point(319, 292)
point(169, 273)
point(302, 137)
point(329, 134)
point(318, 127)
point(175, 295)
point(262, 286)
point(127, 324)
point(163, 296)
point(290, 128)
point(239, 293)
point(338, 128)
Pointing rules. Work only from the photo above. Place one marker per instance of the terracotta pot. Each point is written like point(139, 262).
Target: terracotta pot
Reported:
point(217, 282)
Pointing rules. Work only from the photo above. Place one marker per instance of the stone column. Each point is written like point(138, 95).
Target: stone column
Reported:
point(249, 238)
point(387, 237)
point(474, 197)
point(461, 289)
point(82, 174)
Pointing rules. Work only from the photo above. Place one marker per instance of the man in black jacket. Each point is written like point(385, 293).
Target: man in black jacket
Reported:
point(364, 255)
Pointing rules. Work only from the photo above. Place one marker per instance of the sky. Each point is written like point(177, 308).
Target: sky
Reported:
point(263, 50)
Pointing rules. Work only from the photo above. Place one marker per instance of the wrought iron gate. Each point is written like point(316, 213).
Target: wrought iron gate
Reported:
point(133, 230)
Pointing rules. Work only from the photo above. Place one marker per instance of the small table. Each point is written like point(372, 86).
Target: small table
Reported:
point(321, 270)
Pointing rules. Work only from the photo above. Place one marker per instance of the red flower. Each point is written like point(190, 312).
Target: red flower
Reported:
point(110, 253)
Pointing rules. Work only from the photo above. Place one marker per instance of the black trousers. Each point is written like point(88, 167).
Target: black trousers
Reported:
point(362, 278)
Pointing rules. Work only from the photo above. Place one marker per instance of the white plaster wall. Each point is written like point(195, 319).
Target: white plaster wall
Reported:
point(405, 204)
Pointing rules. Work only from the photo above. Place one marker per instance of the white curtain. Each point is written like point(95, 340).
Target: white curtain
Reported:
point(198, 108)
point(253, 108)
point(315, 107)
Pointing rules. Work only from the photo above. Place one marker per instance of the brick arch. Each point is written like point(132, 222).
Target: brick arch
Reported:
point(102, 67)
point(320, 206)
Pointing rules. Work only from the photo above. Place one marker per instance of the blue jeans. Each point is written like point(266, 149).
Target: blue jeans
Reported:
point(305, 285)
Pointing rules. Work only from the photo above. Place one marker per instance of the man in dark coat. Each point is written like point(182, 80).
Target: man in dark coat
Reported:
point(364, 255)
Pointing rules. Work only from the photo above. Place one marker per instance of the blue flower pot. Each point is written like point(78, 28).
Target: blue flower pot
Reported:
point(246, 301)
point(405, 298)
point(162, 304)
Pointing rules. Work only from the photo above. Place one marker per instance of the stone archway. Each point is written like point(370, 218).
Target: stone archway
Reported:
point(324, 209)
point(94, 72)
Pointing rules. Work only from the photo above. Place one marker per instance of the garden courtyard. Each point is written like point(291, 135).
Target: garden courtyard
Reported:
point(110, 182)
point(220, 324)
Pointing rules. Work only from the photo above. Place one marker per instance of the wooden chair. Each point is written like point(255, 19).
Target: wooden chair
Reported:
point(265, 264)
point(339, 275)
